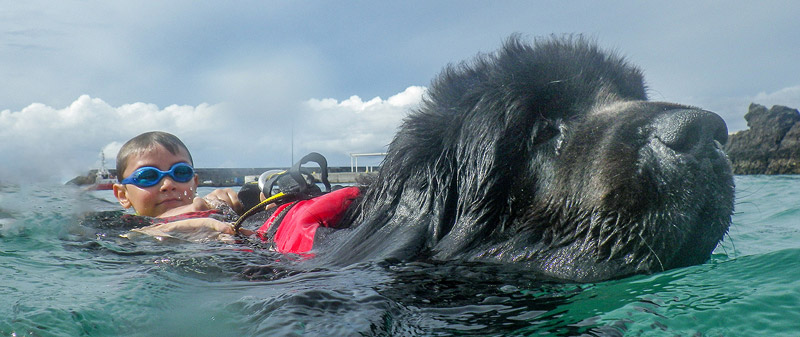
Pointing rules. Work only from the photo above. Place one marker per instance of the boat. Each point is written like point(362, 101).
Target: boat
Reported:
point(103, 179)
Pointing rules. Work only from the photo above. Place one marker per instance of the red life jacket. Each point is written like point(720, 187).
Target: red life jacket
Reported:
point(298, 221)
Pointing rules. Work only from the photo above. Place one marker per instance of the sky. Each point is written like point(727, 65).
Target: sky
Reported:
point(261, 83)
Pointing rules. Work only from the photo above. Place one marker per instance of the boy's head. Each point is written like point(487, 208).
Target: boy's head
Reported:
point(162, 151)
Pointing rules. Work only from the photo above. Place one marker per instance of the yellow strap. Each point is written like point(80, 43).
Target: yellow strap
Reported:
point(256, 208)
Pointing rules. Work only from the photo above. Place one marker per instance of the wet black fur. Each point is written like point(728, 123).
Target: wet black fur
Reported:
point(545, 155)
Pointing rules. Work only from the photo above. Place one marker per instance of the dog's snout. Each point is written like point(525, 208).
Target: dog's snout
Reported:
point(685, 129)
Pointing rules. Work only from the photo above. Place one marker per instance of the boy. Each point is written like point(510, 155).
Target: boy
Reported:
point(157, 179)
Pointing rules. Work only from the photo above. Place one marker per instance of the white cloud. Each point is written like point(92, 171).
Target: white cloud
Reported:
point(410, 97)
point(354, 126)
point(43, 143)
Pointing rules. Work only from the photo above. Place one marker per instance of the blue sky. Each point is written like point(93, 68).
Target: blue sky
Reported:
point(242, 81)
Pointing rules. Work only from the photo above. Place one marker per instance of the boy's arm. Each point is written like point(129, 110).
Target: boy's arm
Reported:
point(199, 229)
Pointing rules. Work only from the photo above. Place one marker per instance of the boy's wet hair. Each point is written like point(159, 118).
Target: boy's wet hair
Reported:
point(145, 142)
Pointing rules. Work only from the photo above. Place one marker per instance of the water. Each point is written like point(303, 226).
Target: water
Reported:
point(62, 277)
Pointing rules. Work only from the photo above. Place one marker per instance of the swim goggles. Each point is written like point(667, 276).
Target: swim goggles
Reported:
point(148, 176)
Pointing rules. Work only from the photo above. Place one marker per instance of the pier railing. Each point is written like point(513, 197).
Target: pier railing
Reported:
point(354, 160)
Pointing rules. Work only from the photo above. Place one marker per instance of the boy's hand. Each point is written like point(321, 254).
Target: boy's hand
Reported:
point(211, 201)
point(223, 196)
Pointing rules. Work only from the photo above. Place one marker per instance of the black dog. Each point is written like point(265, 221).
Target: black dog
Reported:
point(548, 156)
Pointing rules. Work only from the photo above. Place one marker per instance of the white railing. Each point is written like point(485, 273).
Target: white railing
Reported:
point(354, 160)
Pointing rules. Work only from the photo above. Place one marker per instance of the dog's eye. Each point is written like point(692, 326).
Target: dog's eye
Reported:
point(545, 134)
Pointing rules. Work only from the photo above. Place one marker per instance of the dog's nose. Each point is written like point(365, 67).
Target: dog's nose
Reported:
point(686, 129)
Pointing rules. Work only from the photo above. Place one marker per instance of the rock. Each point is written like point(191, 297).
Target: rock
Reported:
point(771, 145)
point(81, 180)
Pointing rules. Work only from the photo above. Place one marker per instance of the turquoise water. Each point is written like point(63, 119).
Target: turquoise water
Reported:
point(64, 276)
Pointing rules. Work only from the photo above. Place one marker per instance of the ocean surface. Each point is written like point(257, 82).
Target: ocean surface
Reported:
point(62, 273)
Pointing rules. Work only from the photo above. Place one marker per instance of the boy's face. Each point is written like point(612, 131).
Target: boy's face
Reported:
point(161, 197)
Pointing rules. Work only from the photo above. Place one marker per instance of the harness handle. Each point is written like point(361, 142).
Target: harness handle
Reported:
point(267, 181)
point(323, 165)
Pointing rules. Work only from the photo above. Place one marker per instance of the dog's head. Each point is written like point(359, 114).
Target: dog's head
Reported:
point(625, 187)
point(550, 156)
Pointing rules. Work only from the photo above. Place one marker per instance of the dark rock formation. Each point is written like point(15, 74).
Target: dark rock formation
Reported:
point(771, 145)
point(82, 180)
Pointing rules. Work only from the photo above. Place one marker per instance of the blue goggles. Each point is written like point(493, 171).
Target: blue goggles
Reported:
point(148, 176)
